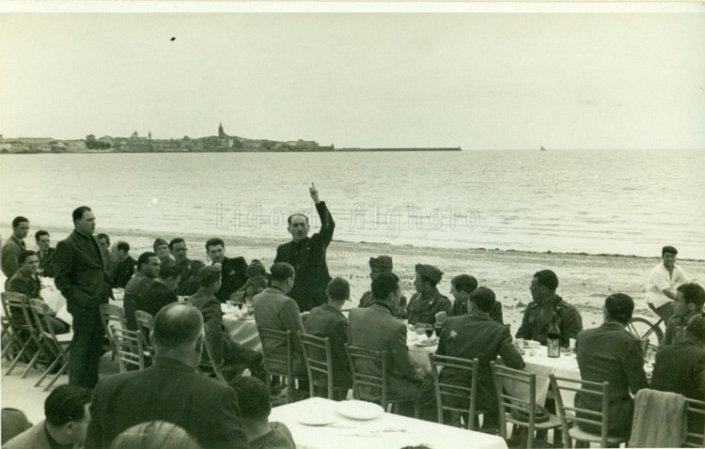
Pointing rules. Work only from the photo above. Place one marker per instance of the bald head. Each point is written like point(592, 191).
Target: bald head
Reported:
point(177, 325)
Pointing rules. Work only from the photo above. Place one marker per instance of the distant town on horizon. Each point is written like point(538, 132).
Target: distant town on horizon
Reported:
point(222, 143)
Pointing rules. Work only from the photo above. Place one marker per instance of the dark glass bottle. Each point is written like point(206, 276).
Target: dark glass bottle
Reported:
point(554, 339)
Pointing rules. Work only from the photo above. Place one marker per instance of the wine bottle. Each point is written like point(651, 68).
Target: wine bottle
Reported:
point(554, 338)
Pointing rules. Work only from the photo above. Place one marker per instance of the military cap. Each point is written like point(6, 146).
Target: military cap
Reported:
point(159, 242)
point(429, 272)
point(211, 272)
point(381, 263)
point(256, 268)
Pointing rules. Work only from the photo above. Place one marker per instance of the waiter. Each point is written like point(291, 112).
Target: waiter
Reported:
point(308, 255)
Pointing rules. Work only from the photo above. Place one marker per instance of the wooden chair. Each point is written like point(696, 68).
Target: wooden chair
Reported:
point(279, 363)
point(508, 402)
point(111, 314)
point(695, 410)
point(145, 324)
point(583, 415)
point(319, 362)
point(26, 331)
point(130, 353)
point(16, 343)
point(447, 391)
point(57, 346)
point(359, 357)
point(212, 369)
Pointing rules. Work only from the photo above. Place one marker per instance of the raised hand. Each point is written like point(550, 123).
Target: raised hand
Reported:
point(314, 193)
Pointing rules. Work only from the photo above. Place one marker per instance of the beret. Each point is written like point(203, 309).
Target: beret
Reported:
point(429, 272)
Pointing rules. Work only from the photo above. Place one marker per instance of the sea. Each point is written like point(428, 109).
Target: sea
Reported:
point(626, 202)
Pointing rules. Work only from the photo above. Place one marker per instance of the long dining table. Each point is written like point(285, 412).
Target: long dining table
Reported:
point(318, 423)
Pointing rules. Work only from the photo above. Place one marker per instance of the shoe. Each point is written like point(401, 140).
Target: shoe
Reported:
point(516, 441)
point(541, 443)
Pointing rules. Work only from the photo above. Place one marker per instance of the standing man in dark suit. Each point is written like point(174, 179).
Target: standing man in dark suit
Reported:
point(376, 328)
point(170, 390)
point(234, 270)
point(478, 336)
point(82, 279)
point(308, 255)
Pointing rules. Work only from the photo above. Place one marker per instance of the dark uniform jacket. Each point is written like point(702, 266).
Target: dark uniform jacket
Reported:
point(46, 263)
point(460, 308)
point(609, 353)
point(170, 391)
point(80, 272)
point(399, 312)
point(219, 342)
point(308, 257)
point(157, 296)
point(477, 336)
point(188, 277)
point(233, 276)
point(424, 309)
point(570, 323)
point(123, 272)
point(327, 321)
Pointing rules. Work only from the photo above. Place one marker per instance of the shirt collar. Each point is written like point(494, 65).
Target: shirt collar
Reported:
point(383, 304)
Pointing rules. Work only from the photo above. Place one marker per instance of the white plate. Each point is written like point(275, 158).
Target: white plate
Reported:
point(424, 345)
point(360, 410)
point(317, 418)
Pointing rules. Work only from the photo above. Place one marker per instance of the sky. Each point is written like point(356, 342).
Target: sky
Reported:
point(509, 80)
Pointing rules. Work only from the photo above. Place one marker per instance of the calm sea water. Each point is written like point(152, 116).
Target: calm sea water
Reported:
point(617, 202)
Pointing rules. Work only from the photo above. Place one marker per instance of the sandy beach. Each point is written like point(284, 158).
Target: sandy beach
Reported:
point(584, 280)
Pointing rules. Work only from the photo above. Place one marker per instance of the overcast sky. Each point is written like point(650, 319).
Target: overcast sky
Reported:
point(479, 81)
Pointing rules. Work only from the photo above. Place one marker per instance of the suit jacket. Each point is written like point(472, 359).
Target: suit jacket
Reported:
point(35, 438)
point(273, 309)
point(477, 336)
point(9, 259)
point(460, 308)
point(218, 340)
point(46, 263)
point(170, 391)
point(312, 275)
point(609, 353)
point(375, 328)
point(188, 277)
point(156, 297)
point(327, 321)
point(123, 272)
point(26, 284)
point(424, 309)
point(233, 276)
point(680, 368)
point(80, 273)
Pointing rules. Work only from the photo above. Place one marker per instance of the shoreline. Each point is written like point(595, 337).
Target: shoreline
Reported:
point(585, 280)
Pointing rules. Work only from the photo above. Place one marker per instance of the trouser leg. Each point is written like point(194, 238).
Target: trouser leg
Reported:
point(86, 347)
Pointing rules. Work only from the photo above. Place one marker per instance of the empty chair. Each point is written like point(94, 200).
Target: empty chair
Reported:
point(579, 415)
point(520, 410)
point(319, 363)
point(57, 346)
point(24, 326)
point(370, 387)
point(449, 396)
point(130, 353)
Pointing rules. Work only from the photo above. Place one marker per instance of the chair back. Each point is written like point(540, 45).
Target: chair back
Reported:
point(208, 366)
point(145, 324)
point(56, 349)
point(369, 374)
point(524, 404)
point(44, 329)
point(695, 436)
point(16, 306)
point(25, 330)
point(112, 315)
point(319, 361)
point(129, 346)
point(448, 393)
point(579, 415)
point(277, 363)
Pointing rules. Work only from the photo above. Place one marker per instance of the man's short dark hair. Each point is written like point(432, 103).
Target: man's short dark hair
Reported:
point(39, 234)
point(483, 298)
point(338, 289)
point(65, 404)
point(180, 240)
point(177, 324)
point(79, 211)
point(383, 285)
point(24, 255)
point(168, 272)
point(693, 294)
point(464, 283)
point(252, 397)
point(668, 250)
point(144, 259)
point(105, 237)
point(291, 217)
point(281, 271)
point(619, 307)
point(548, 279)
point(19, 220)
point(215, 241)
point(123, 246)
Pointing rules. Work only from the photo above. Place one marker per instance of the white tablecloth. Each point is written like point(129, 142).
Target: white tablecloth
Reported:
point(388, 431)
point(242, 331)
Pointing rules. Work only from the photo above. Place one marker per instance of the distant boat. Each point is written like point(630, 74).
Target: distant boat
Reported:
point(542, 148)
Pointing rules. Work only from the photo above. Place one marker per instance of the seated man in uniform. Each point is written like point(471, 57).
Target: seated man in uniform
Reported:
point(427, 301)
point(461, 287)
point(147, 269)
point(379, 265)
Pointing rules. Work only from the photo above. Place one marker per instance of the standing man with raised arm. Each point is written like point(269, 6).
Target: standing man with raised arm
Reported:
point(308, 255)
point(82, 279)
